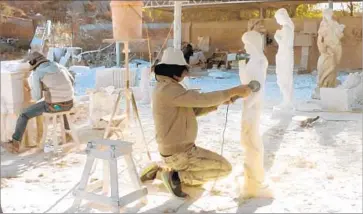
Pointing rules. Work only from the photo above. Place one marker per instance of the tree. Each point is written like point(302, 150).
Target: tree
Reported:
point(308, 11)
point(352, 7)
point(291, 10)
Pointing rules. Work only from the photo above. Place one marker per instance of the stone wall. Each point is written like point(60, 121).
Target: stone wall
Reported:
point(227, 36)
point(13, 27)
point(224, 35)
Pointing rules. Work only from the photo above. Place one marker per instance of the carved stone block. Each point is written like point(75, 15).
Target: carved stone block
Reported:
point(336, 99)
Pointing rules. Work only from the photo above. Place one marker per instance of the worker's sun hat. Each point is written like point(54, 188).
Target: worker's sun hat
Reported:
point(172, 56)
point(34, 59)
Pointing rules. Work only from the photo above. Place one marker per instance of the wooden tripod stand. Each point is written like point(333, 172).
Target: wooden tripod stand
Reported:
point(130, 101)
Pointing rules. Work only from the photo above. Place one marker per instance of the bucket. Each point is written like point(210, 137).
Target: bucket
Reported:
point(126, 19)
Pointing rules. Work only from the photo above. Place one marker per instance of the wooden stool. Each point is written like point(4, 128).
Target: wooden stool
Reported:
point(115, 149)
point(54, 116)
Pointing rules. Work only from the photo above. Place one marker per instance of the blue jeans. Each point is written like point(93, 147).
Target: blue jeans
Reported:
point(32, 111)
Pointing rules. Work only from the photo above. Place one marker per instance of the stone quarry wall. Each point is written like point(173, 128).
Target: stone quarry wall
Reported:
point(13, 27)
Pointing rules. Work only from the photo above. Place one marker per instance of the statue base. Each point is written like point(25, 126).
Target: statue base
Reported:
point(316, 94)
point(264, 191)
point(288, 108)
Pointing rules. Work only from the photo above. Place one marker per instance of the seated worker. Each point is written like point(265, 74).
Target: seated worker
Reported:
point(188, 52)
point(194, 58)
point(174, 112)
point(56, 83)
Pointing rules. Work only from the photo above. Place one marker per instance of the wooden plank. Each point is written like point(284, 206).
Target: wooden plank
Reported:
point(118, 143)
point(94, 186)
point(114, 184)
point(83, 183)
point(106, 155)
point(124, 200)
point(94, 197)
point(107, 118)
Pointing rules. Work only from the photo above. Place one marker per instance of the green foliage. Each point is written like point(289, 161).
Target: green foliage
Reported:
point(308, 11)
point(270, 13)
point(154, 14)
point(8, 10)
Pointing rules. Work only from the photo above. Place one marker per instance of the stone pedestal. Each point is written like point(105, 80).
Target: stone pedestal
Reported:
point(336, 99)
point(15, 96)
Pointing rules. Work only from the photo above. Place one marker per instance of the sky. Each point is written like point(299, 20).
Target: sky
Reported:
point(337, 6)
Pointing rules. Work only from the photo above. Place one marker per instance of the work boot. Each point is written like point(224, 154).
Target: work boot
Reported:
point(149, 173)
point(172, 182)
point(12, 146)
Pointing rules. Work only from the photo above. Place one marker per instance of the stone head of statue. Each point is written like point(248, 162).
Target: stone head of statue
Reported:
point(282, 17)
point(328, 14)
point(253, 42)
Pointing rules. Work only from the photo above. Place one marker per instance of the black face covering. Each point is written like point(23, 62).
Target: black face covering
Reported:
point(170, 70)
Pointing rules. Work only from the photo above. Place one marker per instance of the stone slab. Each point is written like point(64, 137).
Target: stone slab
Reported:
point(336, 99)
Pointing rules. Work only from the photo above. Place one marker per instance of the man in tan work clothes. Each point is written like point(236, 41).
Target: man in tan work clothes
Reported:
point(174, 111)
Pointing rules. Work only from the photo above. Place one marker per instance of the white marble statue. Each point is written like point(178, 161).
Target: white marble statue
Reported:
point(329, 35)
point(255, 69)
point(285, 58)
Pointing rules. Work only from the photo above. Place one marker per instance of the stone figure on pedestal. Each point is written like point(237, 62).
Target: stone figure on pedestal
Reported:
point(329, 44)
point(285, 58)
point(251, 140)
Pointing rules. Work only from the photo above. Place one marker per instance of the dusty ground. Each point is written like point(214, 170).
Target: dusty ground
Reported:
point(316, 169)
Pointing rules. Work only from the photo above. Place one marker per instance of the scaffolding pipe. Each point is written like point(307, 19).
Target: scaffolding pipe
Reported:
point(331, 4)
point(177, 24)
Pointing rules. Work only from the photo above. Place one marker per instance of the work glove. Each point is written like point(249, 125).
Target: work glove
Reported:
point(239, 91)
point(231, 100)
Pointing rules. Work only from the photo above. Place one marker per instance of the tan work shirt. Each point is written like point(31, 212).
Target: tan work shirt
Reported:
point(175, 110)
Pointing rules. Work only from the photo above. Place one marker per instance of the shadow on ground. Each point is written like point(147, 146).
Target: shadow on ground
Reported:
point(272, 139)
point(251, 205)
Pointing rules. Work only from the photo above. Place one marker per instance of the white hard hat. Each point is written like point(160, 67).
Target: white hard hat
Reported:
point(172, 56)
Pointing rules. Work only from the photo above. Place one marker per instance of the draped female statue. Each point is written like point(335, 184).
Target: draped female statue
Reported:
point(329, 35)
point(285, 58)
point(251, 140)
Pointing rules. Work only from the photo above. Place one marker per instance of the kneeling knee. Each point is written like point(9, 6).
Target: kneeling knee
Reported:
point(24, 116)
point(227, 167)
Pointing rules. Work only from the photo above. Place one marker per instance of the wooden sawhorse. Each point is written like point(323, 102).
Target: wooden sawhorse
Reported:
point(115, 149)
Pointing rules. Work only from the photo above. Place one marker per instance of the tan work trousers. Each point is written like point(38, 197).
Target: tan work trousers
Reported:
point(198, 166)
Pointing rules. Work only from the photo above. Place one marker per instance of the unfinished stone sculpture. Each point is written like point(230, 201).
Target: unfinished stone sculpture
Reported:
point(329, 35)
point(251, 140)
point(144, 85)
point(285, 58)
point(98, 109)
point(354, 83)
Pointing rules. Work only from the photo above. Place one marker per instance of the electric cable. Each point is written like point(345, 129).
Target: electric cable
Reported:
point(222, 146)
